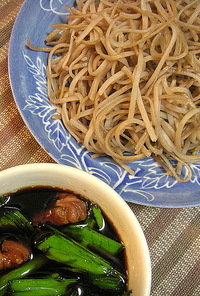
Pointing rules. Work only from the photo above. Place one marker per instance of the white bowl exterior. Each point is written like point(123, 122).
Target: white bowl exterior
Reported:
point(127, 225)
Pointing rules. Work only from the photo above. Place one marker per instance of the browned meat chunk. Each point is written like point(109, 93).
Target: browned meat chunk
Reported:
point(13, 253)
point(68, 209)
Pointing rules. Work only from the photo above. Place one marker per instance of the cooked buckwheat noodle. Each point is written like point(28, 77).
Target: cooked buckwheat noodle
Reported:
point(125, 76)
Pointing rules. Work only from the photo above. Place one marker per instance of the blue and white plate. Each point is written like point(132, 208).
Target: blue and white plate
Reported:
point(149, 186)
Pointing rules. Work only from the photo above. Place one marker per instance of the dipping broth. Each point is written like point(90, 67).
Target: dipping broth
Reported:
point(107, 272)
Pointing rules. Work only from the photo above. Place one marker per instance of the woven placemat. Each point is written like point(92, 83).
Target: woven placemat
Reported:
point(173, 235)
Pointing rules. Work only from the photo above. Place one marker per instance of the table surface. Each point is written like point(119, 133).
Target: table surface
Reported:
point(173, 235)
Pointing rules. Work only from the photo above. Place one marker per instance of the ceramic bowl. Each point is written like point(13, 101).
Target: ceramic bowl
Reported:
point(118, 211)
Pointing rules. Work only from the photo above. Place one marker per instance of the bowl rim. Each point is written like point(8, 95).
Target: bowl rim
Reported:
point(35, 167)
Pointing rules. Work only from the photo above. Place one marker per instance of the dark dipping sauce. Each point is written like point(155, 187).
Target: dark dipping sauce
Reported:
point(31, 201)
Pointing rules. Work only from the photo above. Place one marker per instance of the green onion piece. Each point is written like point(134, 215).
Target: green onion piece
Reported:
point(93, 239)
point(13, 219)
point(69, 252)
point(40, 287)
point(95, 219)
point(98, 216)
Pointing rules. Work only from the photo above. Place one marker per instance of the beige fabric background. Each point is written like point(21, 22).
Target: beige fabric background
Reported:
point(173, 235)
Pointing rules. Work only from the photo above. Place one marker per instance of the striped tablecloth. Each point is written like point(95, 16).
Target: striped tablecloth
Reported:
point(173, 235)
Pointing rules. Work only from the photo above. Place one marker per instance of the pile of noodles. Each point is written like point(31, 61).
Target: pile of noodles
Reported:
point(125, 76)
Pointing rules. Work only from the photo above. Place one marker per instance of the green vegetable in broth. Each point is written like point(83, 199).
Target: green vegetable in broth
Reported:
point(40, 287)
point(12, 219)
point(93, 239)
point(69, 252)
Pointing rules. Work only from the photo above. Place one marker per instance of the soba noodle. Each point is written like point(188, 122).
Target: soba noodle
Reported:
point(125, 76)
